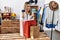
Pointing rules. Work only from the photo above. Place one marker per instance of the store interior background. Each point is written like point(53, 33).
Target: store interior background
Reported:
point(18, 5)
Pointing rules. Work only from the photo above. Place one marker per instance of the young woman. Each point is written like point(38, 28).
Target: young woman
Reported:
point(28, 20)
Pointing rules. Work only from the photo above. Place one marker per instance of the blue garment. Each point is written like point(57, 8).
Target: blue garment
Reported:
point(50, 25)
point(38, 14)
point(47, 24)
point(43, 16)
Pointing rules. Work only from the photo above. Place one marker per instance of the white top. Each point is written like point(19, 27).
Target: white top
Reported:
point(28, 17)
point(49, 16)
point(41, 11)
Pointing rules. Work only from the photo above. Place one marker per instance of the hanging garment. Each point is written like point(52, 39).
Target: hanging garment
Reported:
point(40, 18)
point(50, 25)
point(49, 16)
point(43, 15)
point(36, 1)
point(33, 1)
point(39, 15)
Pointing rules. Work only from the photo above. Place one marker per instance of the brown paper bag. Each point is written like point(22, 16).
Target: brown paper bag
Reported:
point(34, 32)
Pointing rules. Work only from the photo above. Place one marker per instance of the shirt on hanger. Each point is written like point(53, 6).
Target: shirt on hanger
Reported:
point(49, 17)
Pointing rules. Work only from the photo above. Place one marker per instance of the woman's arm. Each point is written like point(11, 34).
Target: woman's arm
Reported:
point(22, 15)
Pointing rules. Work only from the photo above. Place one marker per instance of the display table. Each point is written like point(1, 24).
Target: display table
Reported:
point(10, 26)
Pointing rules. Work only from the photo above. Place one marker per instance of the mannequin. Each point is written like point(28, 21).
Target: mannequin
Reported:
point(52, 18)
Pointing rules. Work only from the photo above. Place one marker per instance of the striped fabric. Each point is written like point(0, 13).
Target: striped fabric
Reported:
point(49, 17)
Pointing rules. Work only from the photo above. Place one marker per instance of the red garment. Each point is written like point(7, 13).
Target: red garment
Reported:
point(26, 27)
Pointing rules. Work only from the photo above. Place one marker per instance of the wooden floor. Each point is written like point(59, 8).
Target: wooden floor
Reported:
point(56, 35)
point(16, 36)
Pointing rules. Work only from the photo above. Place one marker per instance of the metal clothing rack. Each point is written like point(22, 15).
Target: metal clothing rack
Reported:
point(52, 28)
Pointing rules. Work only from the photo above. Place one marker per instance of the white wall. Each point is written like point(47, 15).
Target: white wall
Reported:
point(17, 5)
point(14, 4)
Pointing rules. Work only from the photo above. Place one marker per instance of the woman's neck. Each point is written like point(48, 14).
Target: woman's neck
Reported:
point(26, 12)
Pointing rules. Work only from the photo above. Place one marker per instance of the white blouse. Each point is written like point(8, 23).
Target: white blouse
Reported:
point(49, 16)
point(28, 17)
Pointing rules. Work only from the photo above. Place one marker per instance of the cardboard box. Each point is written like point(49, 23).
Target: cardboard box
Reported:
point(17, 20)
point(10, 29)
point(43, 36)
point(34, 32)
point(15, 24)
point(6, 23)
point(10, 23)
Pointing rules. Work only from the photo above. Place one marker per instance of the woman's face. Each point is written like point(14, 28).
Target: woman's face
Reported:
point(27, 7)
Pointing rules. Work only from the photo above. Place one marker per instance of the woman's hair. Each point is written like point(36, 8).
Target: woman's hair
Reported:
point(25, 7)
point(26, 4)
